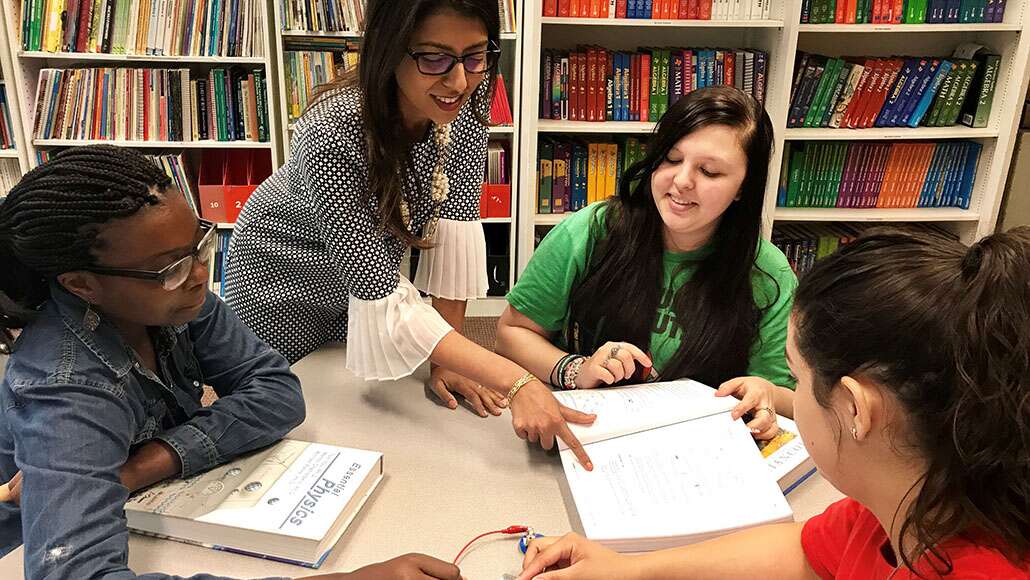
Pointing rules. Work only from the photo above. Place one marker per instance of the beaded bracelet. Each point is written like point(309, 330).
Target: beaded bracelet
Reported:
point(570, 371)
point(555, 377)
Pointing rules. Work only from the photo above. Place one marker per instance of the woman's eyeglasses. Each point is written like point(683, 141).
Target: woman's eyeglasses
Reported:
point(174, 275)
point(441, 63)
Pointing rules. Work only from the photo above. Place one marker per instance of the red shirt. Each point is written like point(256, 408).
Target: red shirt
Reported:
point(846, 542)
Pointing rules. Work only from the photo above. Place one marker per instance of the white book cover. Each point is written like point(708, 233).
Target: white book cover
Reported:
point(672, 467)
point(265, 502)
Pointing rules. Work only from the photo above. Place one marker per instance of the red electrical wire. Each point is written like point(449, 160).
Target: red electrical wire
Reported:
point(507, 531)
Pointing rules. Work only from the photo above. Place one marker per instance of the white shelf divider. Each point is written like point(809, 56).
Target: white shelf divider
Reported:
point(41, 143)
point(140, 58)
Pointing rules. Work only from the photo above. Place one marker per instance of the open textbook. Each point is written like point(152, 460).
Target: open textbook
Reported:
point(671, 467)
point(290, 502)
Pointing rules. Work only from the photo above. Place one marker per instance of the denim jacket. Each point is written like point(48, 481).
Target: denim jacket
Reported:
point(77, 402)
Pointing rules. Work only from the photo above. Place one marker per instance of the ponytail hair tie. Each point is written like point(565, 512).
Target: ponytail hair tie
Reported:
point(972, 261)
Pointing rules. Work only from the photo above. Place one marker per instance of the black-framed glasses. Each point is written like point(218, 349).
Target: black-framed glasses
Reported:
point(441, 63)
point(174, 275)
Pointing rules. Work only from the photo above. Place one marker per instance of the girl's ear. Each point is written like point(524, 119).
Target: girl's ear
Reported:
point(862, 407)
point(82, 284)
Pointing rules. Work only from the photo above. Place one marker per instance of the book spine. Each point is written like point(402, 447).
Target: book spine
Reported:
point(980, 109)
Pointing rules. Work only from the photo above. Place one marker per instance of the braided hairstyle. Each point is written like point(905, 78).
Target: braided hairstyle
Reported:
point(50, 221)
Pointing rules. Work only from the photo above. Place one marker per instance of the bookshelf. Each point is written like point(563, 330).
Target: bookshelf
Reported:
point(25, 67)
point(16, 158)
point(510, 66)
point(783, 36)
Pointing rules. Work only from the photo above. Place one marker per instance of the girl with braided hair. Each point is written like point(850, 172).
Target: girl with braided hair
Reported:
point(104, 270)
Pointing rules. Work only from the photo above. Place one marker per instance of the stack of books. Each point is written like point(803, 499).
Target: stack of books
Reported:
point(860, 93)
point(314, 64)
point(878, 175)
point(10, 175)
point(7, 140)
point(143, 104)
point(500, 108)
point(901, 11)
point(328, 16)
point(595, 84)
point(174, 166)
point(660, 9)
point(805, 244)
point(143, 27)
point(572, 174)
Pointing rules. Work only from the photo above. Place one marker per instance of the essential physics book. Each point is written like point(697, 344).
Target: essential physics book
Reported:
point(290, 502)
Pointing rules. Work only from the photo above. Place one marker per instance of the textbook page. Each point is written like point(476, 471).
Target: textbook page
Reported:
point(683, 483)
point(624, 410)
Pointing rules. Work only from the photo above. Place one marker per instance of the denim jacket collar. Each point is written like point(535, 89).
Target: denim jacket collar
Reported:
point(106, 341)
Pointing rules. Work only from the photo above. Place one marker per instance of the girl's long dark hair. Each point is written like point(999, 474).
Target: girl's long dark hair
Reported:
point(946, 330)
point(619, 297)
point(49, 221)
point(389, 28)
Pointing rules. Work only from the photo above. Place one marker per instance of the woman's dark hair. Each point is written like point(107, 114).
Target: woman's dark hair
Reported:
point(389, 28)
point(946, 331)
point(619, 297)
point(50, 220)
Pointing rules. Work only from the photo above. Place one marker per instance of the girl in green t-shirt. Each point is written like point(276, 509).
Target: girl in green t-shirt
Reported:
point(673, 265)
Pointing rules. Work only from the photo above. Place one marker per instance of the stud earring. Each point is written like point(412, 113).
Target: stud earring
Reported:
point(854, 433)
point(90, 320)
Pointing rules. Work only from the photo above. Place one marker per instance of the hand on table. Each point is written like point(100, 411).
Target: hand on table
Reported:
point(537, 416)
point(444, 382)
point(573, 556)
point(406, 567)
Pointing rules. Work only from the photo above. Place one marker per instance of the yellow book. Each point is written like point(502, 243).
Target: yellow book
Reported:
point(54, 32)
point(611, 179)
point(561, 171)
point(592, 161)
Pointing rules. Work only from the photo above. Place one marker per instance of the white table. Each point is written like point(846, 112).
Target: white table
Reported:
point(450, 475)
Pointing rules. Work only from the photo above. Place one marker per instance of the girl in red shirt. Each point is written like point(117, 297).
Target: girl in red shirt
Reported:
point(912, 358)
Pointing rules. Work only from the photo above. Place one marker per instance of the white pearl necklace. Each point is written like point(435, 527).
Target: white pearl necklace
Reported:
point(440, 185)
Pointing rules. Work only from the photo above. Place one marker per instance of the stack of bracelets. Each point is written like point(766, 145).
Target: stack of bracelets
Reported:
point(566, 370)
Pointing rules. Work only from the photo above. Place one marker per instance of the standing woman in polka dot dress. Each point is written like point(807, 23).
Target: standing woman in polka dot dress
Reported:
point(390, 157)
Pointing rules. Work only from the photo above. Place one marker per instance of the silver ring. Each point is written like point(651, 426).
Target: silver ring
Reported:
point(614, 354)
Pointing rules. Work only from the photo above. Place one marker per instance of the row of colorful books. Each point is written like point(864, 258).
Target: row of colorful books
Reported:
point(145, 104)
point(805, 244)
point(901, 11)
point(660, 9)
point(595, 84)
point(144, 27)
point(859, 93)
point(325, 16)
point(878, 175)
point(10, 175)
point(307, 69)
point(349, 15)
point(572, 174)
point(7, 140)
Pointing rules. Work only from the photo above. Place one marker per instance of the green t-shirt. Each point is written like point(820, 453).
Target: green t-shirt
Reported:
point(543, 290)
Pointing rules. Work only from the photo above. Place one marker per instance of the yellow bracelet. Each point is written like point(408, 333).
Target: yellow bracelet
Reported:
point(523, 381)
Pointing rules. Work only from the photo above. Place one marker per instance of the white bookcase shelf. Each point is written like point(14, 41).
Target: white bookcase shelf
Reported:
point(647, 23)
